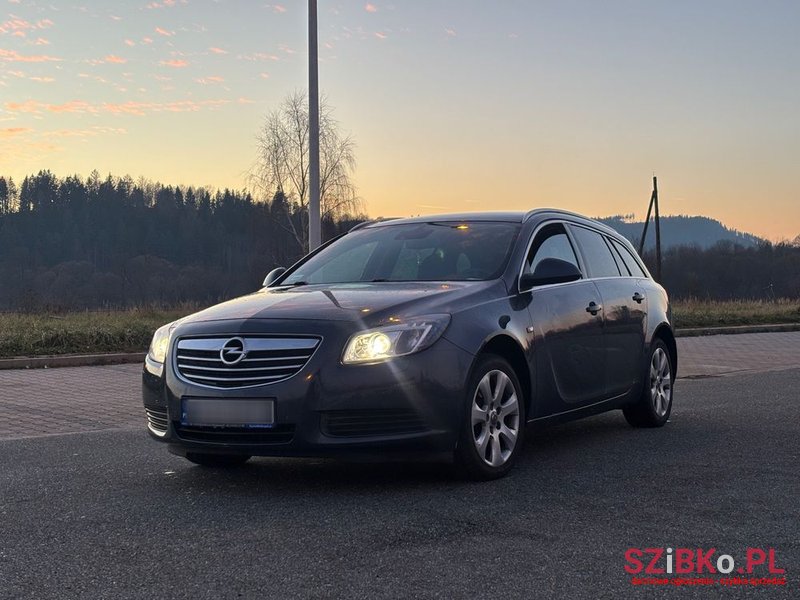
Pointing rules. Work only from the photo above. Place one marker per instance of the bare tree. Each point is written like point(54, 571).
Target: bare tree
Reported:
point(282, 166)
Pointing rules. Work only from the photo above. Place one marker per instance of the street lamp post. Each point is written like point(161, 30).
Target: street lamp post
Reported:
point(314, 222)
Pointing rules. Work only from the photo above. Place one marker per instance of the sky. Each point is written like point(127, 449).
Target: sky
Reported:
point(453, 104)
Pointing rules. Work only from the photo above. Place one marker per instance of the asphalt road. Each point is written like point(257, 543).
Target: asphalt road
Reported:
point(109, 514)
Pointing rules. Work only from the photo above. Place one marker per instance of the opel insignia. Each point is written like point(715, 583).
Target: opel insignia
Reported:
point(431, 337)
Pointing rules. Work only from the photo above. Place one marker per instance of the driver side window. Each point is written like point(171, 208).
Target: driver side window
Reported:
point(550, 242)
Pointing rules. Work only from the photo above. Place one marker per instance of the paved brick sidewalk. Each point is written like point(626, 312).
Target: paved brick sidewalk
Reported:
point(40, 402)
point(727, 354)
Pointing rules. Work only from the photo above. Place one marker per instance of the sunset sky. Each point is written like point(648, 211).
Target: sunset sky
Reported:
point(454, 104)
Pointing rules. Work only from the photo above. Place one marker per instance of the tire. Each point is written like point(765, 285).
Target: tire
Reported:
point(217, 460)
point(654, 406)
point(493, 426)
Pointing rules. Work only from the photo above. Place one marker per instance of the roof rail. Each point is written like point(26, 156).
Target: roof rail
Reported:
point(372, 222)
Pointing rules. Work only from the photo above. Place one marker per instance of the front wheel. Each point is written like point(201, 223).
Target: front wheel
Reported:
point(654, 406)
point(494, 421)
point(217, 460)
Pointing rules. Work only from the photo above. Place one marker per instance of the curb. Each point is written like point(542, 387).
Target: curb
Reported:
point(71, 360)
point(87, 360)
point(734, 329)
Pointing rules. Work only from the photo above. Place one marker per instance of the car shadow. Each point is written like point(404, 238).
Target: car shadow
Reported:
point(547, 448)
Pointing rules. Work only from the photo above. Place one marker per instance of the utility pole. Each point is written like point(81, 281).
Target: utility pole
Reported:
point(653, 204)
point(658, 230)
point(314, 221)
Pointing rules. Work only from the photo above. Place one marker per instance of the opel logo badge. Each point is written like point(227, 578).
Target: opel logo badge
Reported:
point(233, 351)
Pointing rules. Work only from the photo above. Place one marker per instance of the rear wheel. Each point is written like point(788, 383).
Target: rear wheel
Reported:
point(217, 460)
point(494, 424)
point(655, 404)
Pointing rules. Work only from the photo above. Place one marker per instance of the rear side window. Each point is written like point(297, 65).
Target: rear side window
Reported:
point(596, 253)
point(630, 262)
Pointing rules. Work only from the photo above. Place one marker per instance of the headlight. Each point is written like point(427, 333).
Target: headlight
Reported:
point(160, 343)
point(386, 342)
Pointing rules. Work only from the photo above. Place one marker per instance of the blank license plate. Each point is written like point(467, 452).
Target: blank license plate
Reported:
point(232, 412)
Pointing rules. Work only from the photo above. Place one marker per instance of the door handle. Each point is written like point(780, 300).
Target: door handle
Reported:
point(594, 308)
point(638, 297)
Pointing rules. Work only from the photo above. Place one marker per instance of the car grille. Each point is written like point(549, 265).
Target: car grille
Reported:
point(356, 423)
point(266, 359)
point(157, 420)
point(280, 434)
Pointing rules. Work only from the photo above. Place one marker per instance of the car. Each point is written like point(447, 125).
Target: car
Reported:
point(436, 337)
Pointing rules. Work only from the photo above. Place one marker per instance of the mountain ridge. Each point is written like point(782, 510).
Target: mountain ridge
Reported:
point(681, 230)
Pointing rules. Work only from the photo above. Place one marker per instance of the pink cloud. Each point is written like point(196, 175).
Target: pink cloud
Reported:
point(118, 108)
point(380, 35)
point(42, 79)
point(14, 56)
point(210, 80)
point(117, 60)
point(96, 130)
point(147, 40)
point(41, 42)
point(15, 24)
point(12, 131)
point(450, 32)
point(175, 63)
point(264, 75)
point(165, 4)
point(130, 43)
point(216, 50)
point(277, 8)
point(258, 56)
point(370, 8)
point(161, 31)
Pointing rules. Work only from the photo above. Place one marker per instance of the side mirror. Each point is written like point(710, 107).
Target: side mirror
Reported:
point(272, 276)
point(548, 272)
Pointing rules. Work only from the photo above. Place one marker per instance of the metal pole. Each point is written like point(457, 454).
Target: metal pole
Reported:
point(314, 223)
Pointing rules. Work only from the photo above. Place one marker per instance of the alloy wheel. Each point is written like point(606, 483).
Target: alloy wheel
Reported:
point(495, 418)
point(660, 382)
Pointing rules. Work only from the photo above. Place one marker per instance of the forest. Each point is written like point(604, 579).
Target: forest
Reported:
point(71, 243)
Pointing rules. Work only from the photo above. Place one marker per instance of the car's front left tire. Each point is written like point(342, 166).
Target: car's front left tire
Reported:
point(217, 460)
point(493, 426)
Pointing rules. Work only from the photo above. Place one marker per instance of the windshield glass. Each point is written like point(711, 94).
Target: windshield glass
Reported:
point(446, 251)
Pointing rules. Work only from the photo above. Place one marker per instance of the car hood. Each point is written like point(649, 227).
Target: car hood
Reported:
point(370, 303)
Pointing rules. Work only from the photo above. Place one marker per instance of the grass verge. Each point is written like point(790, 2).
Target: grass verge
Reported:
point(131, 330)
point(80, 332)
point(711, 313)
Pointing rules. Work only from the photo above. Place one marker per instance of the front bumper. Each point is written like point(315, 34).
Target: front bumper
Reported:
point(406, 407)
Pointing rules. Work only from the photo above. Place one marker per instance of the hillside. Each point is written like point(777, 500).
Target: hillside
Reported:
point(681, 231)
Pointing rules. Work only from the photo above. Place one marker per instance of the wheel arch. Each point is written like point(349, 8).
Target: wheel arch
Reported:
point(507, 347)
point(665, 334)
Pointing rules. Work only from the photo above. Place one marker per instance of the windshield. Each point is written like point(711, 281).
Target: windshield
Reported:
point(447, 251)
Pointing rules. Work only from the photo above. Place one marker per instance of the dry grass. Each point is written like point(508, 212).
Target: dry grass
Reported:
point(711, 313)
point(81, 332)
point(131, 330)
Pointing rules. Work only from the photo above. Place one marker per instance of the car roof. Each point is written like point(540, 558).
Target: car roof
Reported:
point(501, 216)
point(506, 216)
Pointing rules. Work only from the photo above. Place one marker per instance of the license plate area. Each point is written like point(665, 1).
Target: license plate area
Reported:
point(256, 413)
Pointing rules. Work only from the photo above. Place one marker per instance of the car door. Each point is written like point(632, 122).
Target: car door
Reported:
point(568, 339)
point(623, 308)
